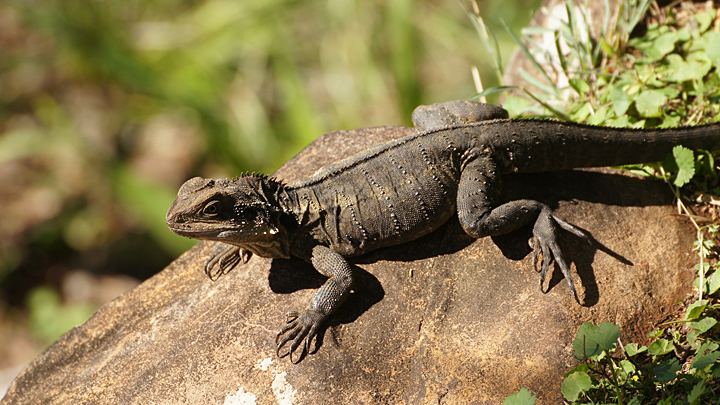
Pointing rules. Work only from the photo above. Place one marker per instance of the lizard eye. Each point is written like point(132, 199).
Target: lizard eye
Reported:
point(212, 208)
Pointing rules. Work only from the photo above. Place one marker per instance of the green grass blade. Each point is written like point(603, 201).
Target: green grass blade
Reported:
point(494, 90)
point(532, 59)
point(555, 111)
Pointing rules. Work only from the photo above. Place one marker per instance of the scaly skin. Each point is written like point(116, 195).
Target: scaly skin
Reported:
point(401, 190)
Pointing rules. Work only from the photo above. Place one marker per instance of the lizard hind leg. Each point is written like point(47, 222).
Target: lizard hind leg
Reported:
point(452, 113)
point(480, 216)
point(544, 242)
point(515, 214)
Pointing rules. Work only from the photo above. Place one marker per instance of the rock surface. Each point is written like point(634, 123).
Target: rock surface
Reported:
point(444, 319)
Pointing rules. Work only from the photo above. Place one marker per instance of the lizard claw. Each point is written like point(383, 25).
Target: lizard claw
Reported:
point(225, 257)
point(545, 242)
point(300, 326)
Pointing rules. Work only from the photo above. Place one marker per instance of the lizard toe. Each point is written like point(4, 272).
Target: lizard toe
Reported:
point(541, 248)
point(291, 316)
point(300, 327)
point(224, 258)
point(572, 229)
point(545, 242)
point(282, 338)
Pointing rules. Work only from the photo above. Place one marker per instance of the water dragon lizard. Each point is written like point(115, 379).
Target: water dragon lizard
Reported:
point(398, 191)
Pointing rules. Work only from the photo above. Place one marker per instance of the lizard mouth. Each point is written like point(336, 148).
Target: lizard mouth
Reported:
point(224, 234)
point(201, 233)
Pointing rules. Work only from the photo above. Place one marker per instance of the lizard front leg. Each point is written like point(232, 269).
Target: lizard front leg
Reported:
point(478, 192)
point(224, 258)
point(304, 325)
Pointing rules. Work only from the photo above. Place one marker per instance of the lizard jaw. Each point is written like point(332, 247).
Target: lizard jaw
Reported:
point(266, 243)
point(223, 234)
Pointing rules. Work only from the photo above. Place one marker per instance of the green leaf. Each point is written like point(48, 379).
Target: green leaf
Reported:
point(697, 391)
point(704, 19)
point(708, 346)
point(702, 361)
point(672, 63)
point(661, 46)
point(696, 67)
point(620, 122)
point(535, 82)
point(713, 282)
point(599, 117)
point(632, 349)
point(667, 370)
point(593, 340)
point(706, 164)
point(524, 397)
point(685, 160)
point(607, 48)
point(639, 124)
point(696, 309)
point(582, 367)
point(655, 334)
point(621, 101)
point(670, 92)
point(649, 102)
point(627, 367)
point(702, 249)
point(704, 324)
point(684, 34)
point(574, 385)
point(50, 318)
point(660, 347)
point(579, 85)
point(582, 113)
point(712, 47)
point(635, 401)
point(560, 54)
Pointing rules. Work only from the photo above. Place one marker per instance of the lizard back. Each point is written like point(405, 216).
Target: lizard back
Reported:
point(388, 194)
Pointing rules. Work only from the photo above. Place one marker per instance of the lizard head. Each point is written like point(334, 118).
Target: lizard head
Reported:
point(242, 211)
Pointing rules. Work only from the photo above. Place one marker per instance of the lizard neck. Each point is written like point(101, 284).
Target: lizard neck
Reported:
point(303, 216)
point(294, 214)
point(278, 246)
point(304, 205)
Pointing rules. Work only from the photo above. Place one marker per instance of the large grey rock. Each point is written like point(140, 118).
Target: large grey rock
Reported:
point(445, 319)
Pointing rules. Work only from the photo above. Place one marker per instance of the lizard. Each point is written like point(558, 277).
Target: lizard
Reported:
point(398, 191)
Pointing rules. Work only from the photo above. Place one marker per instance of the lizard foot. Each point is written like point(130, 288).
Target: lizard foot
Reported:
point(225, 257)
point(544, 242)
point(300, 326)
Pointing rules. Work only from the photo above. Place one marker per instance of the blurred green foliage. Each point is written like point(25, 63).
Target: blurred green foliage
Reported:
point(50, 318)
point(106, 107)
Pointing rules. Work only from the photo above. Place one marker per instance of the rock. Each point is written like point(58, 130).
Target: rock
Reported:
point(444, 319)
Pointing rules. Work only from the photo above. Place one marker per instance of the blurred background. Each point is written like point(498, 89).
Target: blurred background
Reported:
point(108, 106)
